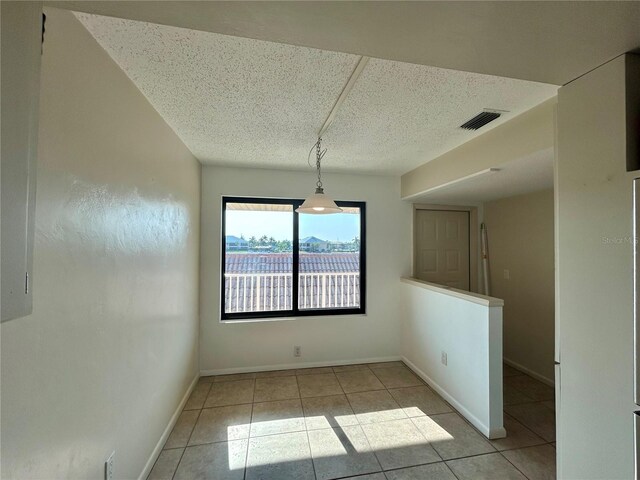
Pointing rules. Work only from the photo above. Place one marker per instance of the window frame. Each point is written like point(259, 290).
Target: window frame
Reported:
point(295, 311)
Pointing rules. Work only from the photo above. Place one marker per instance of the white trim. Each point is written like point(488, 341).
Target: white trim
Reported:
point(484, 429)
point(286, 319)
point(167, 431)
point(529, 372)
point(454, 292)
point(362, 62)
point(286, 366)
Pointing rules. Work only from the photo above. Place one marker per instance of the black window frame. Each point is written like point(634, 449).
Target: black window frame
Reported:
point(294, 311)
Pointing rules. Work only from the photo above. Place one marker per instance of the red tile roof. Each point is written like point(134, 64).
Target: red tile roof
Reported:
point(248, 263)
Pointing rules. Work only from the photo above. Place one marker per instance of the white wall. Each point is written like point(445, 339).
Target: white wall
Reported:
point(595, 276)
point(324, 340)
point(111, 346)
point(468, 327)
point(520, 233)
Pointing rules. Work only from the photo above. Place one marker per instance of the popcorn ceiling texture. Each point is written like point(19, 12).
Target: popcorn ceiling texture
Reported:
point(244, 102)
point(401, 115)
point(231, 100)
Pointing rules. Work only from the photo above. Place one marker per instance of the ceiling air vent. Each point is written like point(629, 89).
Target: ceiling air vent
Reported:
point(480, 120)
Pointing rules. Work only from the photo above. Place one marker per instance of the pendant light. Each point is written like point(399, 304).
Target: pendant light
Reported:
point(319, 203)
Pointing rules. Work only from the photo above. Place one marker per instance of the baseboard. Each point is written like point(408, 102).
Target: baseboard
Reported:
point(167, 431)
point(286, 366)
point(529, 372)
point(488, 432)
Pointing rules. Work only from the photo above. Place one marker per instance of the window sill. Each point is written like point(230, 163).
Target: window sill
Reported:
point(300, 317)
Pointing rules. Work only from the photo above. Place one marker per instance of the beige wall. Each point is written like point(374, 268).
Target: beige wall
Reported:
point(594, 213)
point(527, 134)
point(520, 233)
point(111, 346)
point(227, 347)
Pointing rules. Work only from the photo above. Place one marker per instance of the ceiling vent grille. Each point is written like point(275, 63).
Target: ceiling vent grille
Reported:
point(480, 120)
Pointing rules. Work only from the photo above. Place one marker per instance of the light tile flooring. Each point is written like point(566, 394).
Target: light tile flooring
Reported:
point(370, 422)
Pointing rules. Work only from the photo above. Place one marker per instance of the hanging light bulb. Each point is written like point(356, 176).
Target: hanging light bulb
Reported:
point(319, 203)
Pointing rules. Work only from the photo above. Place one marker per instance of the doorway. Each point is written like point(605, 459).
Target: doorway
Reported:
point(445, 244)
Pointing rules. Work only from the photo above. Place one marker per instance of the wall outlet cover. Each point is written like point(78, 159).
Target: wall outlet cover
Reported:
point(443, 358)
point(297, 351)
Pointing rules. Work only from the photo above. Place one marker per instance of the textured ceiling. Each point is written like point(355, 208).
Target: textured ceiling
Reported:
point(544, 41)
point(401, 115)
point(243, 102)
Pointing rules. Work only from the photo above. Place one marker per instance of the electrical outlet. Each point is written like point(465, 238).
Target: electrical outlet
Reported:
point(506, 274)
point(108, 466)
point(297, 351)
point(443, 358)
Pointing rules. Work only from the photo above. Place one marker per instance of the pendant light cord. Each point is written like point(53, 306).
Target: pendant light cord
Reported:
point(319, 156)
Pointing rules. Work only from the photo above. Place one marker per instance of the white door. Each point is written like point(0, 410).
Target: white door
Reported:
point(442, 247)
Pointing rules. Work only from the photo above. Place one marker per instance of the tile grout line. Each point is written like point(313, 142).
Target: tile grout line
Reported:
point(514, 466)
point(190, 433)
point(156, 462)
point(526, 425)
point(522, 423)
point(545, 442)
point(427, 440)
point(345, 394)
point(188, 438)
point(193, 428)
point(414, 423)
point(246, 454)
point(451, 470)
point(443, 462)
point(178, 465)
point(363, 432)
point(313, 463)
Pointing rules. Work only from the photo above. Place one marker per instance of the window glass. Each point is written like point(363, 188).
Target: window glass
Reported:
point(258, 257)
point(278, 263)
point(329, 274)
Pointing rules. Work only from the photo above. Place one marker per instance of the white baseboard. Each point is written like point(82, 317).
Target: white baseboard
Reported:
point(485, 429)
point(167, 431)
point(286, 366)
point(530, 372)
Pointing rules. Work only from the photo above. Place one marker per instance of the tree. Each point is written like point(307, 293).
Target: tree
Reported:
point(283, 246)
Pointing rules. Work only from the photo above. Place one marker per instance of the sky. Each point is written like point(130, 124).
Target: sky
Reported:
point(340, 226)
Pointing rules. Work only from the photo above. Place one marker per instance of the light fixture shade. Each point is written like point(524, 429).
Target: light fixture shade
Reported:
point(319, 204)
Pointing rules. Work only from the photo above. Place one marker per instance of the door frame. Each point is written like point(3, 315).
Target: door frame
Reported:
point(474, 234)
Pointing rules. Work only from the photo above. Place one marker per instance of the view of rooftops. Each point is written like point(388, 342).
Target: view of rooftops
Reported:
point(266, 244)
point(259, 258)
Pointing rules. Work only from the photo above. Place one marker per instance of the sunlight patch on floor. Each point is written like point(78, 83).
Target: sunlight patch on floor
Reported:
point(433, 431)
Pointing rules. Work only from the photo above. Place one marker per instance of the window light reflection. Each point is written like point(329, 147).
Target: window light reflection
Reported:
point(335, 436)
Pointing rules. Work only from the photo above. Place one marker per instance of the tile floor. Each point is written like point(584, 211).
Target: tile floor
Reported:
point(368, 422)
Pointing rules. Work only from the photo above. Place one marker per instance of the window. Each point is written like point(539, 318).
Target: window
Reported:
point(278, 263)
